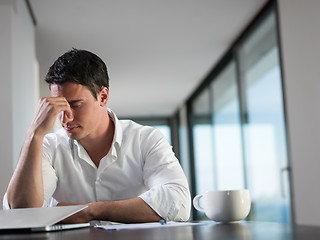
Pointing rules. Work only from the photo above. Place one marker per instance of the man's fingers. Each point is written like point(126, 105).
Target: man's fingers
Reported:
point(47, 112)
point(57, 104)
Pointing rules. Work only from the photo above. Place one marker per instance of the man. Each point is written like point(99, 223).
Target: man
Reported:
point(123, 171)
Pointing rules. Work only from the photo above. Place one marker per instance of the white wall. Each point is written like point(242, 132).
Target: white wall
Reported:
point(19, 83)
point(6, 147)
point(25, 75)
point(300, 39)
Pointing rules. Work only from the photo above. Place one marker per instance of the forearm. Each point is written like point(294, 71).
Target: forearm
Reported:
point(125, 211)
point(26, 186)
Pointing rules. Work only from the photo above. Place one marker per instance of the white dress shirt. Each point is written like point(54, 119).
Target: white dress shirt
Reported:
point(140, 163)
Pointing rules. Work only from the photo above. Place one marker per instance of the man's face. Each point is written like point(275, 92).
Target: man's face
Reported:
point(86, 110)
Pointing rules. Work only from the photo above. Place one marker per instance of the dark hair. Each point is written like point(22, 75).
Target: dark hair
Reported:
point(82, 67)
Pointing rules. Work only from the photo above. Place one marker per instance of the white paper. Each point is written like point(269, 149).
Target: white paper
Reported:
point(147, 225)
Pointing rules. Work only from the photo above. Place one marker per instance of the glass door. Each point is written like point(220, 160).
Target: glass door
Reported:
point(265, 146)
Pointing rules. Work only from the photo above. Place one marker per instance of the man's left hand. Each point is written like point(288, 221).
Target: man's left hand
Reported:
point(83, 216)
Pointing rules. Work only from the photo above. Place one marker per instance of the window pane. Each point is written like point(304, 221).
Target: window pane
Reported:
point(227, 131)
point(202, 139)
point(264, 129)
point(203, 157)
point(202, 142)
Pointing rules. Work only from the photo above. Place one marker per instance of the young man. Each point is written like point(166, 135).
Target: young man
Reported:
point(123, 171)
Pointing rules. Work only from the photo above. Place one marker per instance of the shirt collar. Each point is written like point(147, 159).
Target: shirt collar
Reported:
point(118, 133)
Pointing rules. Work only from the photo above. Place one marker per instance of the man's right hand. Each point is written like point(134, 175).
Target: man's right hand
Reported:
point(47, 112)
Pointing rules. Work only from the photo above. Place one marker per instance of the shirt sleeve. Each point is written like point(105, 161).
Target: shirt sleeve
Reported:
point(5, 203)
point(48, 172)
point(168, 193)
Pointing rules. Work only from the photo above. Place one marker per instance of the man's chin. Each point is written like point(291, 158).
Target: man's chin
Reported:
point(74, 136)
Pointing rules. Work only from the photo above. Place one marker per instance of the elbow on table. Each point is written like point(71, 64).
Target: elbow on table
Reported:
point(11, 203)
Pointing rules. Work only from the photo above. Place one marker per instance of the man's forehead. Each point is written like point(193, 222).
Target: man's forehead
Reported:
point(72, 92)
point(69, 89)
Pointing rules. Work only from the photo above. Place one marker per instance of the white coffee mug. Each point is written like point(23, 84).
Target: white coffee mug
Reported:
point(224, 206)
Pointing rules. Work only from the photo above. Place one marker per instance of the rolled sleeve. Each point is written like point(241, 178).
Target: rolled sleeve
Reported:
point(5, 203)
point(170, 202)
point(168, 193)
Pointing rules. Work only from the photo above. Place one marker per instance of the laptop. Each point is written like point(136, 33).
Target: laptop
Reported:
point(39, 219)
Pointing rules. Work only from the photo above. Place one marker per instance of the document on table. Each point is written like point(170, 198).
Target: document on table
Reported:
point(113, 226)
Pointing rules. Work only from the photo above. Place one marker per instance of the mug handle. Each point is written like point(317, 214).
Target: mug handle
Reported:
point(196, 202)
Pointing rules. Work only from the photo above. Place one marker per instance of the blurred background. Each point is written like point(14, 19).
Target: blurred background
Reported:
point(232, 84)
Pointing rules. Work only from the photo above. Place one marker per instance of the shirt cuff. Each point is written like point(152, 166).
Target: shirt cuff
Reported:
point(166, 203)
point(5, 203)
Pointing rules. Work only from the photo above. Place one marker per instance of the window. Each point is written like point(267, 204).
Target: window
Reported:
point(238, 124)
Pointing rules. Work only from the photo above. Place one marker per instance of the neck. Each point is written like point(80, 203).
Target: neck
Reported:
point(99, 145)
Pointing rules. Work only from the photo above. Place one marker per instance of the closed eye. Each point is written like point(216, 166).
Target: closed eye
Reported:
point(76, 104)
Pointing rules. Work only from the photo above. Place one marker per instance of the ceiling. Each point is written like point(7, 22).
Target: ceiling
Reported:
point(157, 52)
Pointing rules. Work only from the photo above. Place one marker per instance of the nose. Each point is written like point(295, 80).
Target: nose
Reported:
point(65, 117)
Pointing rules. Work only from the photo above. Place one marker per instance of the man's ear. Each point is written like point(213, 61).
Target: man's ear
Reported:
point(103, 96)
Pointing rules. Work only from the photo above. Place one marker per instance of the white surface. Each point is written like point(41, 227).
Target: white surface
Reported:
point(146, 225)
point(25, 218)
